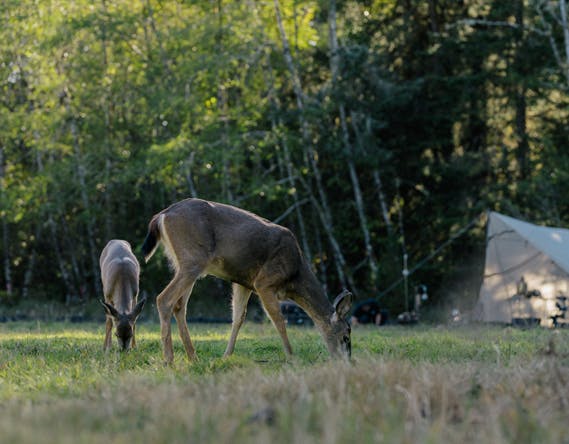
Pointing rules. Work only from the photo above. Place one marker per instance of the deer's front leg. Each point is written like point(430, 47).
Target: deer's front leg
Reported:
point(272, 308)
point(108, 328)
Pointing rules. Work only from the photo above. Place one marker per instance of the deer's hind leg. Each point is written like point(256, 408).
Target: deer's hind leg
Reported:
point(169, 302)
point(239, 300)
point(180, 310)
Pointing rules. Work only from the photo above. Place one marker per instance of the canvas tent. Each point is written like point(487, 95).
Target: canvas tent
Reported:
point(526, 269)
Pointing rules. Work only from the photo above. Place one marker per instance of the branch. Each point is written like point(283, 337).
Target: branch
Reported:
point(290, 209)
point(498, 24)
point(552, 43)
point(546, 31)
point(563, 12)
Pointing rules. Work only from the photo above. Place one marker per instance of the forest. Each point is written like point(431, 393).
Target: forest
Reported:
point(378, 131)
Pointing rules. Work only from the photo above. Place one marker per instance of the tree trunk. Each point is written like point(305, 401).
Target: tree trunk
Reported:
point(29, 273)
point(405, 264)
point(321, 260)
point(163, 55)
point(382, 201)
point(376, 175)
point(81, 174)
point(71, 289)
point(108, 190)
point(433, 16)
point(223, 114)
point(323, 209)
point(5, 233)
point(299, 218)
point(287, 161)
point(107, 138)
point(334, 67)
point(565, 25)
point(7, 259)
point(67, 281)
point(227, 149)
point(339, 259)
point(189, 179)
point(520, 96)
point(78, 271)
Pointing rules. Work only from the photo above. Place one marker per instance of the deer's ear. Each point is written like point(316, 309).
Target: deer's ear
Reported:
point(109, 309)
point(343, 304)
point(138, 309)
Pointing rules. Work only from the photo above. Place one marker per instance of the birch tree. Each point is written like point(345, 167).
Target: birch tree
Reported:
point(349, 152)
point(344, 275)
point(81, 170)
point(5, 230)
point(553, 17)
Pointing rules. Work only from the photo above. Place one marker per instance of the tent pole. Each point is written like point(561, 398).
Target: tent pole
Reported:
point(431, 255)
point(406, 283)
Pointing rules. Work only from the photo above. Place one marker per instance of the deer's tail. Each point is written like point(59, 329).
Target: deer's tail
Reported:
point(152, 238)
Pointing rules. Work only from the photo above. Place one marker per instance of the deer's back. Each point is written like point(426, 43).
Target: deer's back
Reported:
point(118, 265)
point(235, 244)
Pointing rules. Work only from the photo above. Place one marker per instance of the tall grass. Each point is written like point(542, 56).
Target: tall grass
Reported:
point(404, 385)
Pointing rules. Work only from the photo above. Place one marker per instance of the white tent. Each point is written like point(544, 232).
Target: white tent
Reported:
point(527, 268)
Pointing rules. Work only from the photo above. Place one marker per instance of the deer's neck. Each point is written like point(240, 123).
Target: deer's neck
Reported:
point(124, 299)
point(311, 297)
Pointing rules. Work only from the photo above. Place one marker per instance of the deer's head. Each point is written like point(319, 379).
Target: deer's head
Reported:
point(339, 337)
point(124, 323)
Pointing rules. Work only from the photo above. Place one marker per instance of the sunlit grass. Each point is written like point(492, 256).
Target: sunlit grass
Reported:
point(419, 384)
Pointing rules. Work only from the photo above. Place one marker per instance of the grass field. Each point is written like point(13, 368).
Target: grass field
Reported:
point(404, 385)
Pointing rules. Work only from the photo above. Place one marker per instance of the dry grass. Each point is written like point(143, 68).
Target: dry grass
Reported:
point(489, 385)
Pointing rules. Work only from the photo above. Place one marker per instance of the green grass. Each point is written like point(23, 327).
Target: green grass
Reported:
point(413, 384)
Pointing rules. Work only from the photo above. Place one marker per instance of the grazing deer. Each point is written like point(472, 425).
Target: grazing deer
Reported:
point(207, 238)
point(119, 273)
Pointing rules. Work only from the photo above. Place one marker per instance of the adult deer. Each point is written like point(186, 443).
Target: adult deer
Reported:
point(119, 272)
point(207, 238)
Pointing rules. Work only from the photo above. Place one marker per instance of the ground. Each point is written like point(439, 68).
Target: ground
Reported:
point(404, 384)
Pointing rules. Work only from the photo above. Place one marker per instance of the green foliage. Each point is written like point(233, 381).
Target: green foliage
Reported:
point(113, 110)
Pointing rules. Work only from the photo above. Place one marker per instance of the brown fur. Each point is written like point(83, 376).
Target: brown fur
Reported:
point(120, 275)
point(202, 237)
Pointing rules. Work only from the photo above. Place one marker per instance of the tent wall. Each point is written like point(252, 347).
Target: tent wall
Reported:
point(509, 257)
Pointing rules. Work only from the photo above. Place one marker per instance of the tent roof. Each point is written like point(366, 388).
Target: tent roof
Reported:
point(554, 242)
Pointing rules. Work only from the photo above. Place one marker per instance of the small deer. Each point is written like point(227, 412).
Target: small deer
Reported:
point(208, 238)
point(119, 272)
